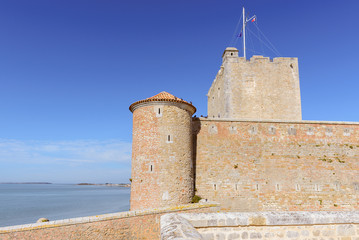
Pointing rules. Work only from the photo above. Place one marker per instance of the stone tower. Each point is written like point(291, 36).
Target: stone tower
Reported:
point(258, 89)
point(162, 165)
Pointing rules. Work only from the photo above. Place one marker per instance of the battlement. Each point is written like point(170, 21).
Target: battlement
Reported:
point(231, 55)
point(255, 88)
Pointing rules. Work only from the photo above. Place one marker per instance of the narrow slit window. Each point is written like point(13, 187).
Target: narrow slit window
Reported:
point(277, 187)
point(257, 186)
point(151, 168)
point(214, 186)
point(158, 111)
point(169, 138)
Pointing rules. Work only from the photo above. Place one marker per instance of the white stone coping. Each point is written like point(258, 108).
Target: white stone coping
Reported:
point(277, 121)
point(104, 217)
point(183, 225)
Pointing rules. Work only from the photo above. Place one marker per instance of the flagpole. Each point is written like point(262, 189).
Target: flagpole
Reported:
point(244, 34)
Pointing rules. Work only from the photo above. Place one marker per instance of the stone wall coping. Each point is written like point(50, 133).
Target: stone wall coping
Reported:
point(235, 219)
point(178, 226)
point(174, 226)
point(105, 217)
point(276, 121)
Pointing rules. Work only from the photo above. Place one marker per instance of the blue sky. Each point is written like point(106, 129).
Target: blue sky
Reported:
point(70, 69)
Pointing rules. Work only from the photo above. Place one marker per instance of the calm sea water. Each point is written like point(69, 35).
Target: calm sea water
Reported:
point(26, 203)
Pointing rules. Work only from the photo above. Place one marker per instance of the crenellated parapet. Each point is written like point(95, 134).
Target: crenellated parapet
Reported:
point(257, 88)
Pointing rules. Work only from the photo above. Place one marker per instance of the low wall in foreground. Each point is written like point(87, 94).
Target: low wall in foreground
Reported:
point(341, 225)
point(144, 224)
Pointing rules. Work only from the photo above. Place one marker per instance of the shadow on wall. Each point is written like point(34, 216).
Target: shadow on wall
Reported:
point(196, 128)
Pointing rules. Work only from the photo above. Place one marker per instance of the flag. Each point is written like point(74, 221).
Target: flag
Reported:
point(254, 19)
point(240, 35)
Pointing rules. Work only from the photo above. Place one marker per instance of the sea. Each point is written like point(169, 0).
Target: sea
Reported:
point(26, 203)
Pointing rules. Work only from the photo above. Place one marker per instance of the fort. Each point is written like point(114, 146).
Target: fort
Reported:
point(252, 153)
point(262, 171)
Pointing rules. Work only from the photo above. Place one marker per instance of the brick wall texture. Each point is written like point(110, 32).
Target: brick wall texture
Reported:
point(259, 166)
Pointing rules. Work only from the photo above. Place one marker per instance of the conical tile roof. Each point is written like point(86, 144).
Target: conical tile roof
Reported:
point(162, 97)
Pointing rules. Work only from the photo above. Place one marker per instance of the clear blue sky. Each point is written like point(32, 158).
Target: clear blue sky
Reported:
point(70, 69)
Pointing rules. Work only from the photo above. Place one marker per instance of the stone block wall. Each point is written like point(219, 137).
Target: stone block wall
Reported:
point(337, 225)
point(260, 88)
point(277, 166)
point(162, 172)
point(143, 224)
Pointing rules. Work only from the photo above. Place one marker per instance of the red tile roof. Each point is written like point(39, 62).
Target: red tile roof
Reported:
point(163, 97)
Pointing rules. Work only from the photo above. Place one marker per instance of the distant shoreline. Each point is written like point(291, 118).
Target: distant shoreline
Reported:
point(106, 184)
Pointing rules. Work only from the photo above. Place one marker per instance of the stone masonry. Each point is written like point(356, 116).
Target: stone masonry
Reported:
point(252, 153)
point(341, 225)
point(259, 89)
point(162, 167)
point(272, 166)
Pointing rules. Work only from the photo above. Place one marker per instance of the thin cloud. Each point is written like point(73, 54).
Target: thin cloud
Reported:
point(65, 152)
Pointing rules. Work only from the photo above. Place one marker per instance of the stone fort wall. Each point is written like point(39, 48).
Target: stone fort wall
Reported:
point(281, 166)
point(299, 225)
point(259, 88)
point(142, 224)
point(162, 172)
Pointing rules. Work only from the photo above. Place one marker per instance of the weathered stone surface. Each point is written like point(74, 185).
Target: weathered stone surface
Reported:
point(346, 230)
point(142, 224)
point(258, 170)
point(162, 167)
point(282, 225)
point(173, 226)
point(257, 89)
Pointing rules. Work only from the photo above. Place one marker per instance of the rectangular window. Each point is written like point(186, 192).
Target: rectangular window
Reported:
point(151, 168)
point(169, 138)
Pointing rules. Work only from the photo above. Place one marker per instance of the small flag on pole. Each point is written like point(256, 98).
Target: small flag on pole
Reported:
point(254, 19)
point(240, 35)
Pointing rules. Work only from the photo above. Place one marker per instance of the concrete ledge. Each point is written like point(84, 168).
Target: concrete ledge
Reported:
point(105, 217)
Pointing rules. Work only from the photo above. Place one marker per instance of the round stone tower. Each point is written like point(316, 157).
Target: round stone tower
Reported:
point(162, 165)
